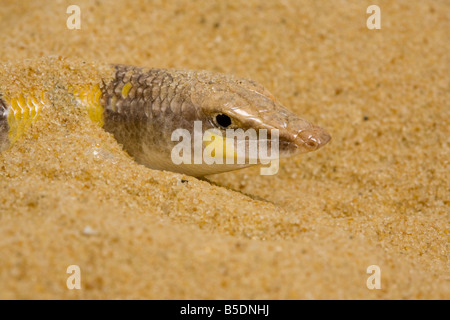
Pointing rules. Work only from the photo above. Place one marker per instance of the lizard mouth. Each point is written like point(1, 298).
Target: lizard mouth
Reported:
point(289, 144)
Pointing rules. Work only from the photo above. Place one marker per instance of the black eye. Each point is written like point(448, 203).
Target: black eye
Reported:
point(223, 120)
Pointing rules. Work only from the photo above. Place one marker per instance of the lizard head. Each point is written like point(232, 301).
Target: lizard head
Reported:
point(231, 103)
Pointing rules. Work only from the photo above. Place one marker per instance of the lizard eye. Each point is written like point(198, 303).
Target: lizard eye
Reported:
point(223, 120)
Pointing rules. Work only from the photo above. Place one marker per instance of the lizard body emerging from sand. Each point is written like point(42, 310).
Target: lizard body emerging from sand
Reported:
point(142, 108)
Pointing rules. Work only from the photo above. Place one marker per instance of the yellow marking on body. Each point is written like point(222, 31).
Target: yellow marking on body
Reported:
point(23, 111)
point(89, 97)
point(126, 89)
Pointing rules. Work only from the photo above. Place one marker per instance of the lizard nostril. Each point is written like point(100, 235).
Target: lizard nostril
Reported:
point(308, 140)
point(312, 139)
point(312, 143)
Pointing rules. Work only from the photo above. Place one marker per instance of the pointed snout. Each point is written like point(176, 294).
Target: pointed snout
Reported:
point(311, 139)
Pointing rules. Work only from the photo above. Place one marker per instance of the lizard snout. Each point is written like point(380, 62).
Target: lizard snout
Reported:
point(312, 139)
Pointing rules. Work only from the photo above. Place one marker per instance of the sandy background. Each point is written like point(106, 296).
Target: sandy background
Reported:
point(377, 194)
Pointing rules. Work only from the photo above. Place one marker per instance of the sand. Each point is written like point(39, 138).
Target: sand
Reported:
point(378, 194)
